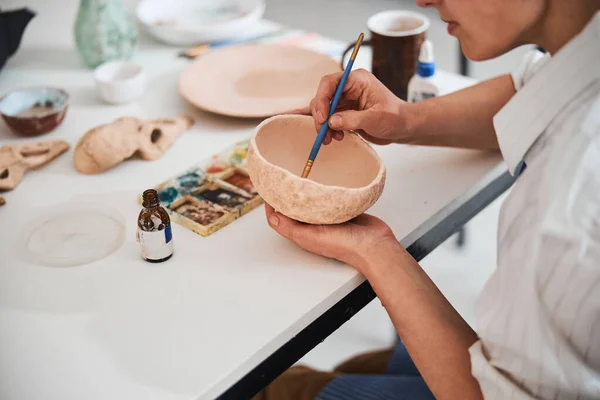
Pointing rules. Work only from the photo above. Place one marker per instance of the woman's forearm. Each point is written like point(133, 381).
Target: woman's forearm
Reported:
point(460, 119)
point(434, 334)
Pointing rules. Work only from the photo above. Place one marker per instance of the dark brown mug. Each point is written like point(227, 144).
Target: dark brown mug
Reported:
point(396, 38)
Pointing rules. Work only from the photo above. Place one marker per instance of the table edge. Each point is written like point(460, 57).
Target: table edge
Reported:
point(418, 243)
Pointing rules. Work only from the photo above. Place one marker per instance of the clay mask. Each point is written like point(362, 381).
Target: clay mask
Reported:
point(107, 145)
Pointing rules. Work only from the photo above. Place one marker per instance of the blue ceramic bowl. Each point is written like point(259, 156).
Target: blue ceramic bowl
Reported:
point(34, 111)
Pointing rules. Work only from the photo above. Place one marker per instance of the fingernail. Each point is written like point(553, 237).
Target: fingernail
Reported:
point(274, 220)
point(320, 116)
point(335, 121)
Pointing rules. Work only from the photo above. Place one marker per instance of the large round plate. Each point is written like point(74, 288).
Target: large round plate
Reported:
point(255, 81)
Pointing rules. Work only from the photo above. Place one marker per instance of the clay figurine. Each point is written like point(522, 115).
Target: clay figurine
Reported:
point(16, 159)
point(105, 146)
point(346, 179)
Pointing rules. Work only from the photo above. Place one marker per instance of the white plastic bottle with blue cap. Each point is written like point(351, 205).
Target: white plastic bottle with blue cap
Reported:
point(423, 85)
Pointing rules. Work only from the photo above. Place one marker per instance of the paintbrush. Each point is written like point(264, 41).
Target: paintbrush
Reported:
point(334, 103)
point(208, 47)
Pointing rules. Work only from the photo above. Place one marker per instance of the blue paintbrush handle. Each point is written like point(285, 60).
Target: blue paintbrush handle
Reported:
point(240, 40)
point(334, 103)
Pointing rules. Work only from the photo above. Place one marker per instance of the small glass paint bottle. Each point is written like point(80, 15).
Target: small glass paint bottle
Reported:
point(154, 229)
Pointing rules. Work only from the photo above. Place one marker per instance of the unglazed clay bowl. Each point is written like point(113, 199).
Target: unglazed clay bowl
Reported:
point(34, 111)
point(346, 179)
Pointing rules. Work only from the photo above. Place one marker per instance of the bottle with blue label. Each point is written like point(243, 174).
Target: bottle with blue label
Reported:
point(154, 229)
point(424, 84)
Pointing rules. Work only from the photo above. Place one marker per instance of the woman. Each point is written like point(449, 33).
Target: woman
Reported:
point(538, 316)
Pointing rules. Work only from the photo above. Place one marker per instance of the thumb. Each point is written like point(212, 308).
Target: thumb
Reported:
point(288, 227)
point(352, 120)
point(302, 111)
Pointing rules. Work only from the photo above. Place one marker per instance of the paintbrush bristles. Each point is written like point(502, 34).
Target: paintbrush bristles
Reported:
point(196, 51)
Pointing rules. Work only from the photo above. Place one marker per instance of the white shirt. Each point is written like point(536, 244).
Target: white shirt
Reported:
point(538, 317)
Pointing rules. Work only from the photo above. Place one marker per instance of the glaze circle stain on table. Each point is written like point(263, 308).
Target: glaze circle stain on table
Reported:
point(347, 177)
point(72, 234)
point(255, 81)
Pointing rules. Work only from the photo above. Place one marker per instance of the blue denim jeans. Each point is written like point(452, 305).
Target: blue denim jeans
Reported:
point(401, 381)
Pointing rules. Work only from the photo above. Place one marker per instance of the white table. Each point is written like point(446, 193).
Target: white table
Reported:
point(193, 327)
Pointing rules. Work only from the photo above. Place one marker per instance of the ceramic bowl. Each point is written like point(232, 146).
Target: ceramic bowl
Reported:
point(190, 22)
point(346, 179)
point(119, 82)
point(34, 111)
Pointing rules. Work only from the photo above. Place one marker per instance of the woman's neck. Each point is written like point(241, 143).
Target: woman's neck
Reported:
point(562, 21)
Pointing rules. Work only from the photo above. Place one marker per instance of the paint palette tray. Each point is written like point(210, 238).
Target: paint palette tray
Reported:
point(212, 193)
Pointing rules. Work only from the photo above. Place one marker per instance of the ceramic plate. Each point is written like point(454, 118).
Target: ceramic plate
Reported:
point(255, 81)
point(190, 22)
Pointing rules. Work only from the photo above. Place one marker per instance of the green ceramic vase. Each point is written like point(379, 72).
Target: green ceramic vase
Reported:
point(104, 31)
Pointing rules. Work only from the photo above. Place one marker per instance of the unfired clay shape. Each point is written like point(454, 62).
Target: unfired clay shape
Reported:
point(16, 159)
point(105, 146)
point(346, 179)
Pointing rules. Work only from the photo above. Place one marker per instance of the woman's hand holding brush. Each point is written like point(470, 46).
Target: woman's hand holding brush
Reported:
point(366, 107)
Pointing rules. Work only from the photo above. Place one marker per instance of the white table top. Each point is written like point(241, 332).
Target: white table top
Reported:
point(191, 327)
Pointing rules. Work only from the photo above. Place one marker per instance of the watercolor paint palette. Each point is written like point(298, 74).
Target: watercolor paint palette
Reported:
point(211, 194)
